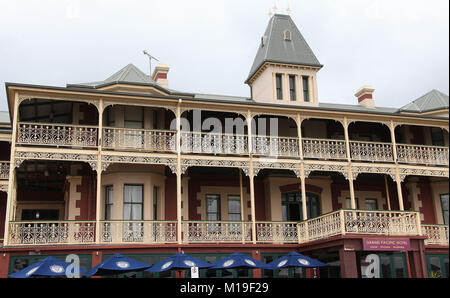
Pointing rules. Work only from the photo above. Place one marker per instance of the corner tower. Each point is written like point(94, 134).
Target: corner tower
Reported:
point(285, 68)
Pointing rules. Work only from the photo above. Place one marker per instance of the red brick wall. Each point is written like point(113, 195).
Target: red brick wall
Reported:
point(170, 196)
point(426, 197)
point(87, 203)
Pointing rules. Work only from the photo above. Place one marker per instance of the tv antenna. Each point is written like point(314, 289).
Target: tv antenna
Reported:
point(150, 57)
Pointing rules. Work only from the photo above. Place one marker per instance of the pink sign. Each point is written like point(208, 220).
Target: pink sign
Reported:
point(386, 244)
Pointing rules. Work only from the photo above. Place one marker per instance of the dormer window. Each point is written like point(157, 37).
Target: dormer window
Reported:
point(287, 35)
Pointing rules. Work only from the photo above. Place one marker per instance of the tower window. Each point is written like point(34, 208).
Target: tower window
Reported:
point(306, 89)
point(287, 35)
point(279, 85)
point(292, 88)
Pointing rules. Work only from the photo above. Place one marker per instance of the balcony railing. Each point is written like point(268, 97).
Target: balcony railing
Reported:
point(62, 135)
point(275, 146)
point(213, 143)
point(419, 154)
point(51, 233)
point(216, 231)
point(344, 222)
point(116, 232)
point(324, 149)
point(436, 234)
point(4, 169)
point(139, 139)
point(57, 135)
point(341, 222)
point(277, 232)
point(371, 151)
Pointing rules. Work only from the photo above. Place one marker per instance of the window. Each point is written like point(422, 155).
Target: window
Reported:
point(437, 136)
point(133, 202)
point(371, 204)
point(213, 207)
point(348, 203)
point(305, 89)
point(287, 35)
point(444, 206)
point(234, 208)
point(291, 206)
point(134, 117)
point(109, 200)
point(110, 116)
point(279, 85)
point(155, 119)
point(292, 88)
point(437, 265)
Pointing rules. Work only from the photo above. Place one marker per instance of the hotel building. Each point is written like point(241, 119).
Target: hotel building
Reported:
point(128, 165)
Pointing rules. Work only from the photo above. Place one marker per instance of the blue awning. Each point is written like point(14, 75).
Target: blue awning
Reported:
point(241, 261)
point(46, 267)
point(294, 259)
point(117, 264)
point(178, 261)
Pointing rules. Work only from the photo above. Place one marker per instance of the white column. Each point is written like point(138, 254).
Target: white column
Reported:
point(303, 188)
point(299, 134)
point(10, 202)
point(251, 176)
point(399, 189)
point(349, 159)
point(178, 123)
point(99, 173)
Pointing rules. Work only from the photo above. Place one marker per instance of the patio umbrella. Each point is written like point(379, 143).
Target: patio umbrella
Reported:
point(47, 267)
point(294, 259)
point(117, 264)
point(239, 261)
point(178, 261)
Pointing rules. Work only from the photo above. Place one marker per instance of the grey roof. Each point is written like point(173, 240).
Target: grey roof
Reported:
point(128, 74)
point(4, 117)
point(224, 97)
point(433, 100)
point(356, 108)
point(274, 48)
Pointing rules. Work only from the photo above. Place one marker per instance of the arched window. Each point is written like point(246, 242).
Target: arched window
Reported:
point(287, 35)
point(291, 206)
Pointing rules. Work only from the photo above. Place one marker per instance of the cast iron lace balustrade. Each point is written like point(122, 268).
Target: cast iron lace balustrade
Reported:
point(139, 139)
point(419, 154)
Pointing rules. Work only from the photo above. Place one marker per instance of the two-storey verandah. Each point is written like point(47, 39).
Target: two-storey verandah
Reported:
point(162, 149)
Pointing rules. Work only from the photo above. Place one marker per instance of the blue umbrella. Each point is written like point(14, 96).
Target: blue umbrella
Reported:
point(294, 259)
point(117, 264)
point(240, 261)
point(46, 267)
point(178, 261)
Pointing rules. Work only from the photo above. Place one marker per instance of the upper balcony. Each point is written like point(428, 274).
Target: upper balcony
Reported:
point(149, 140)
point(141, 129)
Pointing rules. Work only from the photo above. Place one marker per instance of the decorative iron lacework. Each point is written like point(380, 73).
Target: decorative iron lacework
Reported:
point(186, 163)
point(269, 164)
point(4, 187)
point(21, 156)
point(423, 172)
point(326, 168)
point(109, 159)
point(356, 170)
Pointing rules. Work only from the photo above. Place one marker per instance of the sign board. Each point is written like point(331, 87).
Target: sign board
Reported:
point(194, 272)
point(386, 244)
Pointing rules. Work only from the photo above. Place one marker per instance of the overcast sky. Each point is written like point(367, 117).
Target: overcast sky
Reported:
point(400, 47)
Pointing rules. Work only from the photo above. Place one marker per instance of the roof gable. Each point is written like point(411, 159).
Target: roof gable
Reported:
point(274, 47)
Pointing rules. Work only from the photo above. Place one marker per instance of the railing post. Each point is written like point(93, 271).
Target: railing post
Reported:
point(99, 173)
point(419, 224)
point(178, 123)
point(342, 216)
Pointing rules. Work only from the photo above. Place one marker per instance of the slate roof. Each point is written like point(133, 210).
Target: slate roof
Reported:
point(274, 48)
point(128, 74)
point(433, 100)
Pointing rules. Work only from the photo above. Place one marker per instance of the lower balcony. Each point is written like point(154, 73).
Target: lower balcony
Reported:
point(341, 222)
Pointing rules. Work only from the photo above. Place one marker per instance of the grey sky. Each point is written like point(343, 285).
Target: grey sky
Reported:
point(400, 47)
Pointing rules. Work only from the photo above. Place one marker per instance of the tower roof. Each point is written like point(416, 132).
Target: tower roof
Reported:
point(275, 48)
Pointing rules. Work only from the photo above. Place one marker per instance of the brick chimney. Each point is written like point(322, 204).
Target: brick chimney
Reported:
point(160, 75)
point(365, 97)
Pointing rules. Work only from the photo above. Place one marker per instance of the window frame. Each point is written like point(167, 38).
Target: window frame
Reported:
point(279, 85)
point(292, 87)
point(234, 198)
point(446, 222)
point(218, 212)
point(306, 96)
point(107, 203)
point(132, 203)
